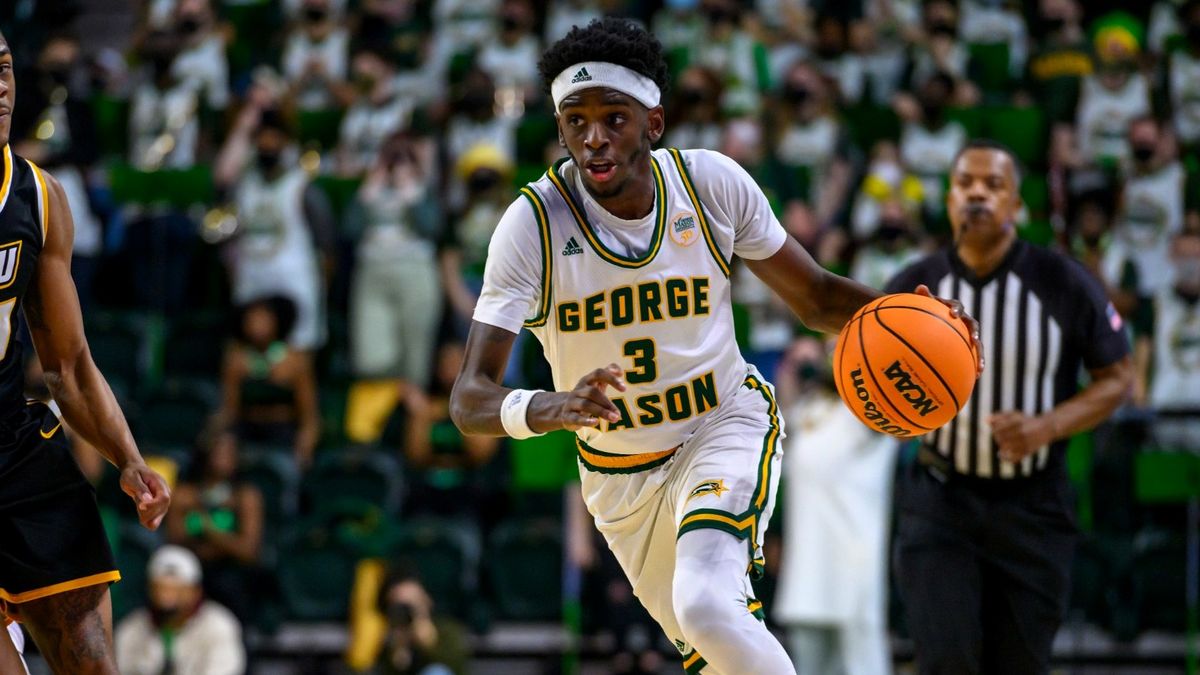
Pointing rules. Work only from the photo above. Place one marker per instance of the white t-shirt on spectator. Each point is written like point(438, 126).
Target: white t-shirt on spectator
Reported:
point(979, 23)
point(512, 66)
point(155, 114)
point(561, 16)
point(1151, 214)
point(206, 68)
point(930, 155)
point(1103, 117)
point(332, 52)
point(366, 126)
point(1183, 81)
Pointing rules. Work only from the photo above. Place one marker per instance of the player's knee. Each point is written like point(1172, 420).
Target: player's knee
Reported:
point(704, 607)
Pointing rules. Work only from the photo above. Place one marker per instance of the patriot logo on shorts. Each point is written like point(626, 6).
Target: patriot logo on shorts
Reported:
point(709, 487)
point(10, 255)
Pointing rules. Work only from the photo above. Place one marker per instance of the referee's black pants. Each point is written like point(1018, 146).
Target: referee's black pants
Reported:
point(983, 569)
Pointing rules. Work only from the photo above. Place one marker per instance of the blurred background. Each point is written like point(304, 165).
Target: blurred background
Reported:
point(282, 211)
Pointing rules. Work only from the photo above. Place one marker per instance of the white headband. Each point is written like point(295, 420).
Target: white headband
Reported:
point(603, 74)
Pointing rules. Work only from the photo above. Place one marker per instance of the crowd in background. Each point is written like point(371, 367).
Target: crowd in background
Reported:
point(282, 210)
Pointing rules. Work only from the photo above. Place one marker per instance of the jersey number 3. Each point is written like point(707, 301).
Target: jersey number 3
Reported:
point(644, 369)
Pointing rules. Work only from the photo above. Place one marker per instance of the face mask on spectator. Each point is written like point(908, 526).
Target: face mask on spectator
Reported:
point(509, 23)
point(693, 96)
point(1052, 24)
point(797, 94)
point(1143, 152)
point(1193, 34)
point(57, 73)
point(482, 180)
point(721, 15)
point(891, 230)
point(315, 14)
point(189, 24)
point(943, 28)
point(268, 160)
point(932, 111)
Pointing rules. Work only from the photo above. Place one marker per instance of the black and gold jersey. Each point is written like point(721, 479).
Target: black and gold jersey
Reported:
point(24, 214)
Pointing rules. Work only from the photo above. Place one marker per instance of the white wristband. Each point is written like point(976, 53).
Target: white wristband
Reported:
point(512, 413)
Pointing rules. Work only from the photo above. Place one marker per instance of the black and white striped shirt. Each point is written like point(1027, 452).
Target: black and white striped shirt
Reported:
point(1041, 316)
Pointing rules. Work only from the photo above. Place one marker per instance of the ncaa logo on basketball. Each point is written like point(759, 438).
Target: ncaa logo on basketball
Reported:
point(910, 389)
point(10, 256)
point(683, 229)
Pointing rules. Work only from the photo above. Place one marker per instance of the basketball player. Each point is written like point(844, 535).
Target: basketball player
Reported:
point(55, 563)
point(620, 255)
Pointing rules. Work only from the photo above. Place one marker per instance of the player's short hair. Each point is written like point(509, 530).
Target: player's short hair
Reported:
point(989, 144)
point(612, 40)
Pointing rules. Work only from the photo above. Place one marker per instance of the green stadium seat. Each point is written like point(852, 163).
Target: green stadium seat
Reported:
point(117, 347)
point(274, 472)
point(319, 127)
point(175, 412)
point(524, 561)
point(354, 477)
point(112, 124)
point(869, 124)
point(544, 462)
point(447, 554)
point(1158, 573)
point(315, 572)
point(989, 67)
point(533, 132)
point(971, 119)
point(1023, 129)
point(1035, 192)
point(175, 187)
point(193, 348)
point(528, 172)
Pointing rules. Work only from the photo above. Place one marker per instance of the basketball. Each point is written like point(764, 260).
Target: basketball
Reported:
point(904, 365)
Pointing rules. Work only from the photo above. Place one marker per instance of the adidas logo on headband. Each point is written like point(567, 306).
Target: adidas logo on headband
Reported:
point(581, 76)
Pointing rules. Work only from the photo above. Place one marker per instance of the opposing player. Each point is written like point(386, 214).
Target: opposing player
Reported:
point(55, 563)
point(620, 255)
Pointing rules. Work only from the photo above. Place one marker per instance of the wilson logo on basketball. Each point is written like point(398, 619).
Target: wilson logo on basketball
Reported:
point(910, 390)
point(871, 412)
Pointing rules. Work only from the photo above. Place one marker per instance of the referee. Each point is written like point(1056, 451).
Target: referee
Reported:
point(985, 517)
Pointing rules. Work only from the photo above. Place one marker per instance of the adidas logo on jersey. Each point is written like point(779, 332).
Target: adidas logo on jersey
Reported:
point(572, 247)
point(581, 76)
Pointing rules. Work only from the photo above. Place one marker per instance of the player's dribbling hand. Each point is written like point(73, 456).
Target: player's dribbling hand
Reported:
point(149, 491)
point(959, 312)
point(587, 404)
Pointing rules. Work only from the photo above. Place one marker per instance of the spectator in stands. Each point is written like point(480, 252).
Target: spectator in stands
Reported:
point(403, 27)
point(473, 122)
point(377, 112)
point(285, 223)
point(1183, 79)
point(396, 292)
point(219, 517)
point(834, 59)
point(1092, 243)
point(697, 94)
point(201, 61)
point(1151, 208)
point(295, 10)
point(561, 16)
point(1060, 60)
point(884, 59)
point(731, 51)
point(832, 594)
point(679, 26)
point(1168, 348)
point(486, 170)
point(268, 387)
point(938, 49)
point(930, 139)
point(179, 632)
point(164, 125)
point(54, 128)
point(315, 58)
point(887, 181)
point(1110, 99)
point(892, 245)
point(997, 22)
point(811, 146)
point(395, 628)
point(511, 59)
point(460, 27)
point(447, 475)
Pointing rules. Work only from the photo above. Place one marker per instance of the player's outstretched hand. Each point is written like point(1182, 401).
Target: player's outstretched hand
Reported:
point(587, 404)
point(958, 311)
point(149, 491)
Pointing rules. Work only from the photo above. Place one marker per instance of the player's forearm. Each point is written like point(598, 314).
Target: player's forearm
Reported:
point(475, 408)
point(835, 301)
point(90, 408)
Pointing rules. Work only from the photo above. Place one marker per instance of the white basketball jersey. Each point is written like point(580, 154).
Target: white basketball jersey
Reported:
point(664, 316)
